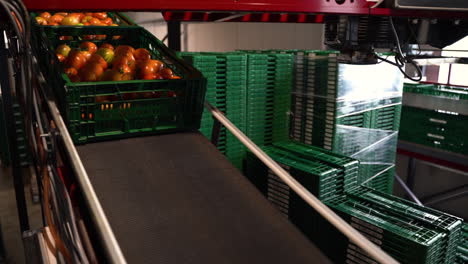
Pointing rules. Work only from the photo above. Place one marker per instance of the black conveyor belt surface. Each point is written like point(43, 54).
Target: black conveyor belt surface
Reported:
point(176, 199)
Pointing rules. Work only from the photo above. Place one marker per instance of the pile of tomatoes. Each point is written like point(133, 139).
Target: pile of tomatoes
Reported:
point(88, 63)
point(75, 19)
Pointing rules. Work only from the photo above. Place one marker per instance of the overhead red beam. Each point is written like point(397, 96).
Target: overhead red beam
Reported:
point(351, 7)
point(302, 6)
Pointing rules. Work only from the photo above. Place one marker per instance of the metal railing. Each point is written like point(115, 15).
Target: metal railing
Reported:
point(357, 238)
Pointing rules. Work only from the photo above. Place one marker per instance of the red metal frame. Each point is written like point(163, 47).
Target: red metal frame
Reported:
point(303, 7)
point(243, 17)
point(433, 160)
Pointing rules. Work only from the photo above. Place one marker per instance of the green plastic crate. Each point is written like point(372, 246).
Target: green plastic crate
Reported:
point(325, 174)
point(408, 232)
point(450, 92)
point(176, 106)
point(462, 248)
point(407, 211)
point(268, 96)
point(321, 117)
point(439, 129)
point(226, 75)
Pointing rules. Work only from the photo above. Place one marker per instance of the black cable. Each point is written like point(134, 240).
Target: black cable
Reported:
point(61, 219)
point(401, 59)
point(17, 14)
point(64, 211)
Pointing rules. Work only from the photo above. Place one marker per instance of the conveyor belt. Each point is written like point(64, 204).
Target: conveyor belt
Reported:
point(176, 199)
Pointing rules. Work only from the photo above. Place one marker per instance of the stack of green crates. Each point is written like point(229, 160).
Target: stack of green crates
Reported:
point(437, 128)
point(226, 75)
point(22, 145)
point(325, 174)
point(253, 90)
point(331, 111)
point(269, 84)
point(462, 250)
point(408, 232)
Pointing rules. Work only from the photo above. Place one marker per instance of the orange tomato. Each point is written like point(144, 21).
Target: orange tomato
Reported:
point(53, 24)
point(60, 57)
point(86, 19)
point(41, 21)
point(174, 77)
point(121, 67)
point(91, 72)
point(111, 75)
point(128, 59)
point(124, 64)
point(152, 76)
point(76, 60)
point(127, 55)
point(149, 67)
point(87, 54)
point(71, 72)
point(97, 59)
point(166, 73)
point(56, 19)
point(64, 14)
point(45, 15)
point(127, 77)
point(142, 54)
point(70, 20)
point(101, 15)
point(107, 46)
point(86, 24)
point(94, 21)
point(88, 46)
point(79, 15)
point(108, 21)
point(122, 49)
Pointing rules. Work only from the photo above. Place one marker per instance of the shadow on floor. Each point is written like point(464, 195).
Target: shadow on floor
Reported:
point(9, 217)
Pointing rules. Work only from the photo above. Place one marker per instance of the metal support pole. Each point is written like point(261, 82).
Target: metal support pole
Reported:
point(357, 238)
point(173, 33)
point(6, 82)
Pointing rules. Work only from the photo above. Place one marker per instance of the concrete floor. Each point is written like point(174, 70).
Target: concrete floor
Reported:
point(430, 180)
point(9, 218)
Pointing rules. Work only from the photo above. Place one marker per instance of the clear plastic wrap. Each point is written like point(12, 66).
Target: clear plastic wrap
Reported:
point(349, 109)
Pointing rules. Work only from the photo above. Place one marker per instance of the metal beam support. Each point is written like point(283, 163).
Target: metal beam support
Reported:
point(446, 195)
point(173, 33)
